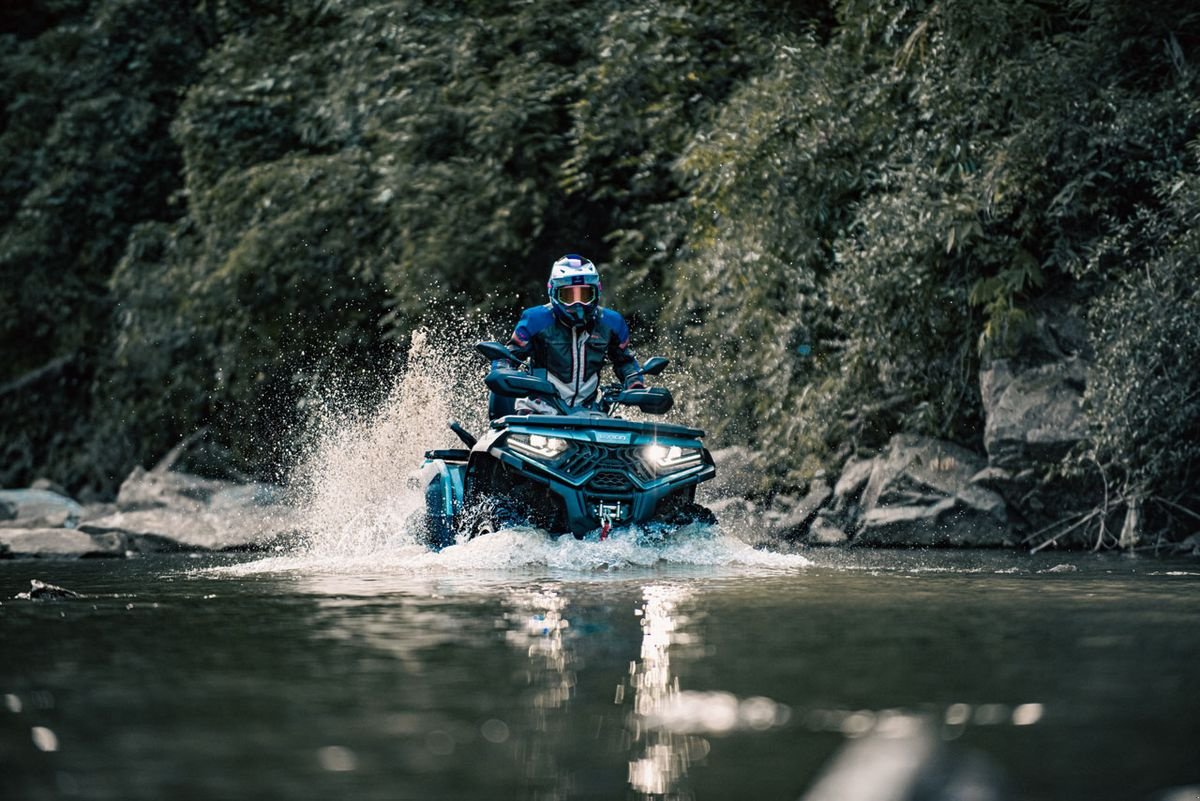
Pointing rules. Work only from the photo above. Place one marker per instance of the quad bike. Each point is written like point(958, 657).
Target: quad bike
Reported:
point(577, 471)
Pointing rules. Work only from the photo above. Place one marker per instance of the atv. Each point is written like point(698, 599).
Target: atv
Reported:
point(575, 472)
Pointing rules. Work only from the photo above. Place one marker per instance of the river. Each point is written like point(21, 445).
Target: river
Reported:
point(513, 668)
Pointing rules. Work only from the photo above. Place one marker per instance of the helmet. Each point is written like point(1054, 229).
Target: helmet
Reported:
point(574, 289)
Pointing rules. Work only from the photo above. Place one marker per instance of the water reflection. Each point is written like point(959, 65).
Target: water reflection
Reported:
point(536, 625)
point(660, 756)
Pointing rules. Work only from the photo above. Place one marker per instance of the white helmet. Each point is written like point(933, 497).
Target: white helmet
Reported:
point(574, 289)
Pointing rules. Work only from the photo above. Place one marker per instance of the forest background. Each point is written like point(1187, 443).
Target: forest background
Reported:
point(829, 214)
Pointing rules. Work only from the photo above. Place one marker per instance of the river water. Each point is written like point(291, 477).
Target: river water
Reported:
point(516, 668)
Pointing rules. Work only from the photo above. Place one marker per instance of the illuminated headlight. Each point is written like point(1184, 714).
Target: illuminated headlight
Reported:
point(537, 446)
point(669, 459)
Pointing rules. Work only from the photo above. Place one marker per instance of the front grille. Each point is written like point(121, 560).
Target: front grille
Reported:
point(620, 460)
point(609, 481)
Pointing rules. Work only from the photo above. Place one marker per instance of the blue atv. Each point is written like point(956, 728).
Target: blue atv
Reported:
point(574, 472)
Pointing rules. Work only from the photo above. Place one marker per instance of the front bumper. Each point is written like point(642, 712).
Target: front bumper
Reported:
point(595, 481)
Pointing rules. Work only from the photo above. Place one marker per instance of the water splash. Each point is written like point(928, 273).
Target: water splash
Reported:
point(354, 482)
point(359, 507)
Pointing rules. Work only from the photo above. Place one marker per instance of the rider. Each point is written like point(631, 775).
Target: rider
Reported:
point(570, 337)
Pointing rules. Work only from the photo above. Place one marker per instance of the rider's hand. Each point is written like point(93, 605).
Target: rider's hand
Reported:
point(634, 384)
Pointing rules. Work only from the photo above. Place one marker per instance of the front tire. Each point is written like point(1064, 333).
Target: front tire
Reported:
point(680, 512)
point(491, 514)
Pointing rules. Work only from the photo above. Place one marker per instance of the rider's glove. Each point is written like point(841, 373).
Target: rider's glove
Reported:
point(634, 383)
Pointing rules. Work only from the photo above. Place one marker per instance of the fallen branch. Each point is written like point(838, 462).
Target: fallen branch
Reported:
point(1055, 524)
point(1094, 513)
point(1174, 505)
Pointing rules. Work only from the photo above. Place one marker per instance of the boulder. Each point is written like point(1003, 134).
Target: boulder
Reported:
point(852, 481)
point(1035, 414)
point(794, 522)
point(154, 489)
point(59, 543)
point(162, 510)
point(920, 493)
point(824, 532)
point(947, 523)
point(44, 483)
point(38, 508)
point(187, 529)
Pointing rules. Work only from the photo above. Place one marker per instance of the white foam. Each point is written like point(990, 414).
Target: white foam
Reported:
point(521, 548)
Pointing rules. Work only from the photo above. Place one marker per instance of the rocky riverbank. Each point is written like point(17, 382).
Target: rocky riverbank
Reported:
point(155, 511)
point(921, 492)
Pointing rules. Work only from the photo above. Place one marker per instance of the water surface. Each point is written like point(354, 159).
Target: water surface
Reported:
point(513, 668)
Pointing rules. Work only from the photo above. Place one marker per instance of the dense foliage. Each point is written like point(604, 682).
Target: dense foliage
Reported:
point(828, 212)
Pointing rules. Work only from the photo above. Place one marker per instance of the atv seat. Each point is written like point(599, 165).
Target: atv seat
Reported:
point(449, 454)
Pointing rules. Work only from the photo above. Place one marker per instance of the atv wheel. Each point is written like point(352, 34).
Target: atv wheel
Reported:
point(490, 515)
point(683, 513)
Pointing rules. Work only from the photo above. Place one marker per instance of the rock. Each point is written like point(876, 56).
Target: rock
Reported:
point(946, 523)
point(823, 532)
point(794, 523)
point(852, 481)
point(915, 468)
point(993, 478)
point(41, 591)
point(161, 510)
point(184, 529)
point(60, 543)
point(40, 508)
point(1034, 415)
point(920, 492)
point(153, 489)
point(46, 484)
point(94, 511)
point(1189, 546)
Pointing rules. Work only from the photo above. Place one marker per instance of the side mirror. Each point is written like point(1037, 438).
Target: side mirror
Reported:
point(494, 351)
point(517, 384)
point(655, 365)
point(655, 400)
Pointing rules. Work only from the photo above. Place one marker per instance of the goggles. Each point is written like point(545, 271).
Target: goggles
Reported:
point(577, 293)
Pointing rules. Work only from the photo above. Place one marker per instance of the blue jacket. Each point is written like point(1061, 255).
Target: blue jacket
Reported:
point(573, 357)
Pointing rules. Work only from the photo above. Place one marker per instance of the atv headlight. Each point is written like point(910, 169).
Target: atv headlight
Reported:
point(537, 446)
point(666, 459)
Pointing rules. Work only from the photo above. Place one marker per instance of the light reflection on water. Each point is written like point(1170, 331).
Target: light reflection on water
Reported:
point(660, 757)
point(663, 680)
point(535, 623)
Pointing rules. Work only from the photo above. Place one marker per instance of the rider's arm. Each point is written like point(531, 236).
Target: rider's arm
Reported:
point(532, 321)
point(621, 355)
